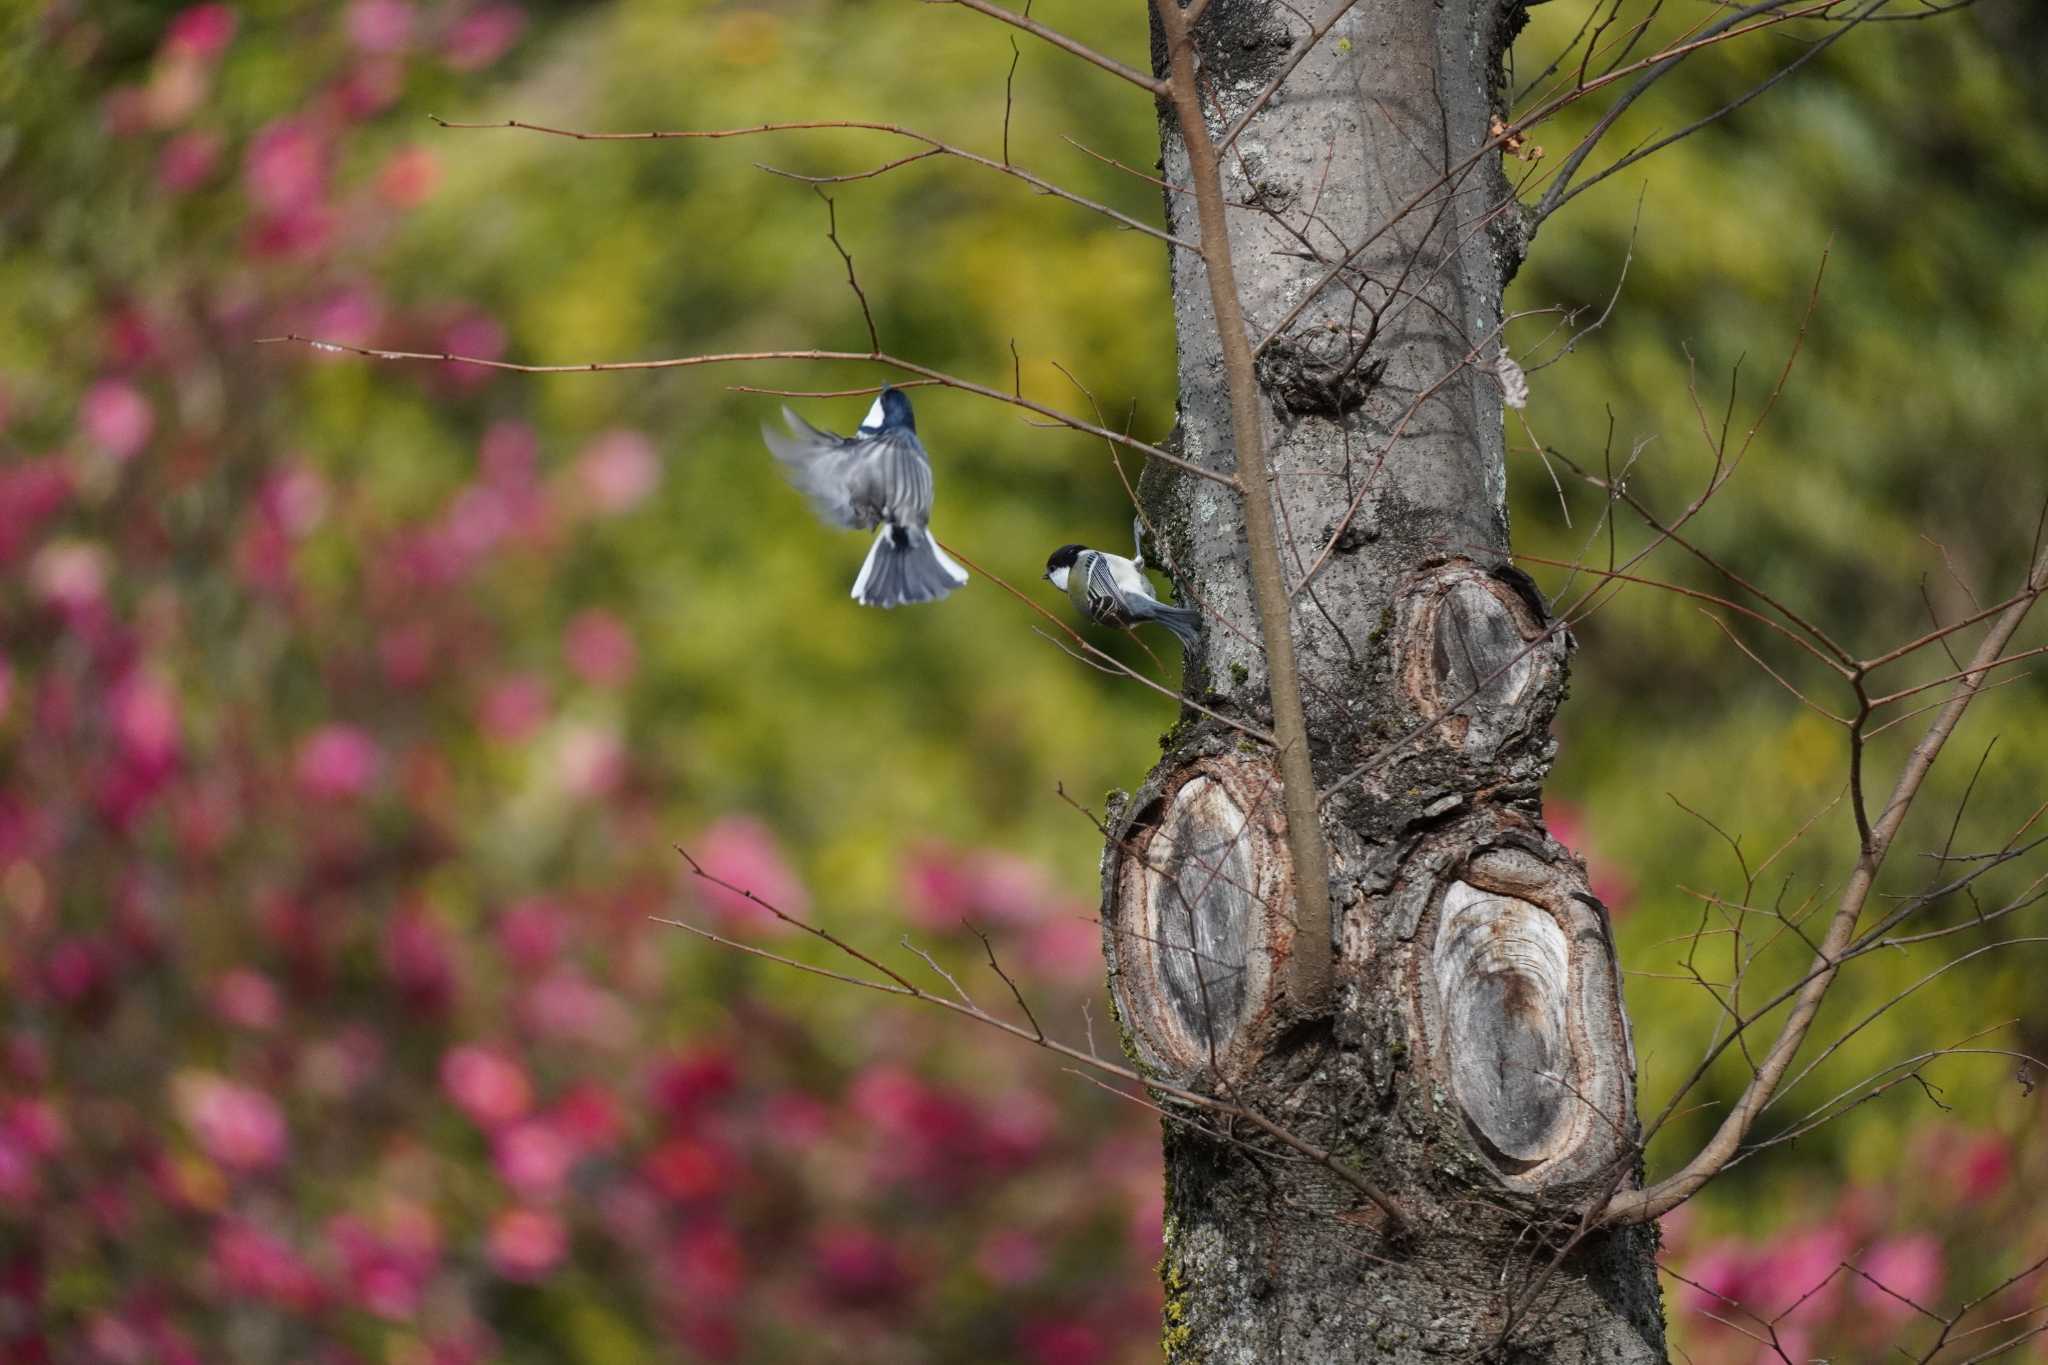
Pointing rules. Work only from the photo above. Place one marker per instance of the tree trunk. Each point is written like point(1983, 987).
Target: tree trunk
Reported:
point(1473, 1060)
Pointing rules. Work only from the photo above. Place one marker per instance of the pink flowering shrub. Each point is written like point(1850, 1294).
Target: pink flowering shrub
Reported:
point(306, 1038)
point(1871, 1271)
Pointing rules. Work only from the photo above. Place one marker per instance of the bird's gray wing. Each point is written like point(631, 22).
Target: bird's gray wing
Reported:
point(1109, 603)
point(821, 466)
point(892, 480)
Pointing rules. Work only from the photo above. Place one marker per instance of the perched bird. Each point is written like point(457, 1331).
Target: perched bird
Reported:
point(1113, 591)
point(878, 476)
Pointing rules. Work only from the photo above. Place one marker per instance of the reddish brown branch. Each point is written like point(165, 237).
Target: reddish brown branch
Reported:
point(1309, 966)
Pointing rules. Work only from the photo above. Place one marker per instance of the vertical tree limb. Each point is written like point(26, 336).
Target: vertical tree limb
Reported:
point(1309, 967)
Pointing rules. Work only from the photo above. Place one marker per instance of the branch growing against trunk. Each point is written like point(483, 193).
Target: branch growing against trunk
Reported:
point(1309, 965)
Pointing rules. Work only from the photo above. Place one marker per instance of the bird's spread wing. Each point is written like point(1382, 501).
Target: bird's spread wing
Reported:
point(819, 465)
point(855, 481)
point(891, 480)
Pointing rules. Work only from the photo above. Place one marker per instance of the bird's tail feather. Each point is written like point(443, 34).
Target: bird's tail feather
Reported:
point(1184, 622)
point(904, 566)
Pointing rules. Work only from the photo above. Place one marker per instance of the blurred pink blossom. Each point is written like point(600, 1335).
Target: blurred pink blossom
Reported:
point(485, 1084)
point(1009, 889)
point(1801, 1277)
point(944, 886)
point(617, 470)
point(177, 86)
point(129, 337)
point(565, 1004)
point(31, 492)
point(116, 418)
point(709, 1262)
point(37, 1125)
point(1145, 1228)
point(1018, 1124)
point(513, 708)
point(686, 1170)
point(1984, 1167)
point(420, 956)
point(71, 575)
point(145, 715)
point(588, 1117)
point(589, 759)
point(1067, 950)
point(1062, 1341)
point(743, 852)
point(338, 762)
point(509, 455)
point(188, 161)
point(532, 1158)
point(926, 1136)
point(481, 36)
point(599, 647)
point(77, 969)
point(409, 177)
point(1609, 882)
point(1911, 1267)
point(294, 499)
point(1674, 1232)
point(380, 25)
point(302, 232)
point(387, 1271)
point(407, 654)
point(352, 315)
point(206, 814)
point(371, 86)
point(526, 1244)
point(235, 1124)
point(19, 1184)
point(476, 335)
point(531, 933)
point(682, 1086)
point(246, 998)
point(937, 888)
point(1718, 1276)
point(201, 31)
point(856, 1268)
point(257, 1264)
point(286, 167)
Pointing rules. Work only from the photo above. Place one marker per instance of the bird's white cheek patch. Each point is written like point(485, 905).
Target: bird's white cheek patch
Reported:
point(1059, 580)
point(874, 417)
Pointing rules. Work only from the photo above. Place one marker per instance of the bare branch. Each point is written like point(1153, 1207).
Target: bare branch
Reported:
point(1641, 1205)
point(736, 357)
point(1060, 41)
point(934, 147)
point(898, 985)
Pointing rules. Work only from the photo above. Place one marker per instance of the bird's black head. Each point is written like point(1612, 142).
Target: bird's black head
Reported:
point(1063, 558)
point(896, 410)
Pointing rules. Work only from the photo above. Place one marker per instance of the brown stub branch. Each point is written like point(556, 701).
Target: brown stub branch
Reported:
point(1308, 967)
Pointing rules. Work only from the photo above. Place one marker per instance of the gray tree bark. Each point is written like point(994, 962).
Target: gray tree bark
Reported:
point(1473, 1060)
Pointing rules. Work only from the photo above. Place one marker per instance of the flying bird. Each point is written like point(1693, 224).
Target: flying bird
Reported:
point(1113, 591)
point(877, 477)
